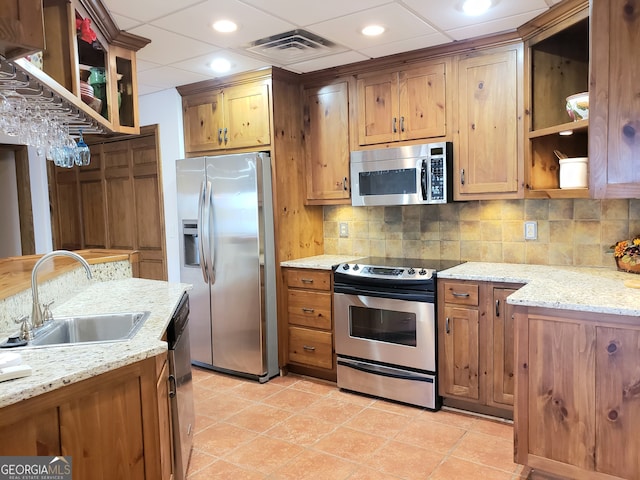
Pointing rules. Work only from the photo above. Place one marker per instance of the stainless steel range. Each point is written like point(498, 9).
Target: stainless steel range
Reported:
point(385, 321)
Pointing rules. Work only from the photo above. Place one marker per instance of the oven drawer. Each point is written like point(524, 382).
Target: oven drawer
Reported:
point(310, 347)
point(314, 280)
point(461, 293)
point(309, 308)
point(389, 382)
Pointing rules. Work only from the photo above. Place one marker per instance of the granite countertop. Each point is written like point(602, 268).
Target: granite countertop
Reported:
point(319, 262)
point(15, 272)
point(55, 367)
point(598, 290)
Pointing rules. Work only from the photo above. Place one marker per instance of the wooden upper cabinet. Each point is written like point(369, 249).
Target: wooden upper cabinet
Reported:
point(489, 150)
point(326, 131)
point(224, 118)
point(614, 100)
point(402, 105)
point(246, 116)
point(203, 121)
point(21, 28)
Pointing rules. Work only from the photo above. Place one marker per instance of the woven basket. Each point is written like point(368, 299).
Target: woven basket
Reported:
point(627, 267)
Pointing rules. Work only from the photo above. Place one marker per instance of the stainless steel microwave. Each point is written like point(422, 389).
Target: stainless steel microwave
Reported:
point(410, 175)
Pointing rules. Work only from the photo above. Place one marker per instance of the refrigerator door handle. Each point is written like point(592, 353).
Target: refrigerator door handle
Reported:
point(202, 237)
point(211, 264)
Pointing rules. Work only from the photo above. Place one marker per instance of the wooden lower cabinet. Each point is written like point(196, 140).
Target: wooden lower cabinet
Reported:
point(578, 390)
point(310, 322)
point(476, 368)
point(110, 425)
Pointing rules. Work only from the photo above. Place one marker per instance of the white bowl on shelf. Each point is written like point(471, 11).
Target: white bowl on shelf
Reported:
point(578, 106)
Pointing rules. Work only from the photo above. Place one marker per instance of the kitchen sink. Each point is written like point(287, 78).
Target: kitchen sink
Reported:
point(110, 327)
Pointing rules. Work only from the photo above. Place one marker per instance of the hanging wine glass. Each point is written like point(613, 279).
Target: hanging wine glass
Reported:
point(83, 157)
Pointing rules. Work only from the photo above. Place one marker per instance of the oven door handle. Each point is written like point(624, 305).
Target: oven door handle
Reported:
point(384, 372)
point(427, 297)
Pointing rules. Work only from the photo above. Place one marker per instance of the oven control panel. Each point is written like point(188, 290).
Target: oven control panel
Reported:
point(381, 272)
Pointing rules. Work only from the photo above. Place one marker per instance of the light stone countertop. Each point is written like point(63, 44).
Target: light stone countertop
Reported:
point(55, 367)
point(319, 262)
point(598, 290)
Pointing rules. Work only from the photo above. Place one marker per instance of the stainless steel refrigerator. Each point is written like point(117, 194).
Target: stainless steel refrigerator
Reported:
point(227, 253)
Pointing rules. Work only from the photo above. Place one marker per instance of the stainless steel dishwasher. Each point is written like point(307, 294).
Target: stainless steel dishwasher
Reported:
point(181, 388)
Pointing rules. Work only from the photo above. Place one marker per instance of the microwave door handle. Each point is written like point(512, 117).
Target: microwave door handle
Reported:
point(424, 180)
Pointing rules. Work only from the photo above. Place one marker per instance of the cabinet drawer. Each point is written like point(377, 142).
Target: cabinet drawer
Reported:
point(316, 280)
point(310, 347)
point(461, 293)
point(309, 308)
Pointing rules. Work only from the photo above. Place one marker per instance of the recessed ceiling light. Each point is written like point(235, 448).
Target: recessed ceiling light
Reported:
point(475, 7)
point(220, 65)
point(372, 30)
point(225, 26)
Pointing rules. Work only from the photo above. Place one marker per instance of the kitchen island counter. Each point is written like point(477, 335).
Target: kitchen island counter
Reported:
point(55, 367)
point(597, 290)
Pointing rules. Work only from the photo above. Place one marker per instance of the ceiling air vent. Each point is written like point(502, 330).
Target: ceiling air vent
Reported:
point(294, 46)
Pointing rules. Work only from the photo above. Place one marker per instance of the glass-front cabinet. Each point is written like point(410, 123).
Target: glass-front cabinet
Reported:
point(91, 61)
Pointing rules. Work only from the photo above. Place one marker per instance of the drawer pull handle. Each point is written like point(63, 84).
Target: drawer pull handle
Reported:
point(308, 310)
point(308, 348)
point(460, 295)
point(447, 329)
point(306, 280)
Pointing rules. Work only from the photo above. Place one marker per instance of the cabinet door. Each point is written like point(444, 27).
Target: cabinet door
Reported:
point(326, 130)
point(378, 120)
point(459, 355)
point(246, 114)
point(617, 402)
point(488, 157)
point(29, 432)
point(422, 102)
point(203, 122)
point(561, 391)
point(614, 103)
point(501, 357)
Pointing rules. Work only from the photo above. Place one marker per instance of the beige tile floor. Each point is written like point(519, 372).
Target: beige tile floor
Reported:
point(296, 427)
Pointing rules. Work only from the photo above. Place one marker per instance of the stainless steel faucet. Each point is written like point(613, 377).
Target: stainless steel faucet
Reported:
point(36, 312)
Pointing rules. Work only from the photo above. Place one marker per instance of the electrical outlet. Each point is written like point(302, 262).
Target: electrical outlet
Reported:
point(344, 230)
point(530, 230)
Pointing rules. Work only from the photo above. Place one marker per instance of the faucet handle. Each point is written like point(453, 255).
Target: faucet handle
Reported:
point(46, 312)
point(25, 328)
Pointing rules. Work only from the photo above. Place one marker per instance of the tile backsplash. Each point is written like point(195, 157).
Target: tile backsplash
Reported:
point(570, 231)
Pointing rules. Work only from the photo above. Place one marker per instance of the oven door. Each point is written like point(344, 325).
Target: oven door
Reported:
point(391, 331)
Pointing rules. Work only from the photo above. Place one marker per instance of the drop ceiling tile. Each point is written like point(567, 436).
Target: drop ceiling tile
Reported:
point(327, 62)
point(167, 77)
point(146, 10)
point(167, 47)
point(400, 24)
point(195, 22)
point(239, 63)
point(125, 23)
point(402, 46)
point(449, 15)
point(143, 65)
point(306, 13)
point(499, 25)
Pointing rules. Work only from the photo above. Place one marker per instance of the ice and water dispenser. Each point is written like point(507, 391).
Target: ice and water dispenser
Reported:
point(190, 243)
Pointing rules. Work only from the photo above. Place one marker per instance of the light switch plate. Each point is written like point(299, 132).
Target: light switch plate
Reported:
point(530, 230)
point(344, 230)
